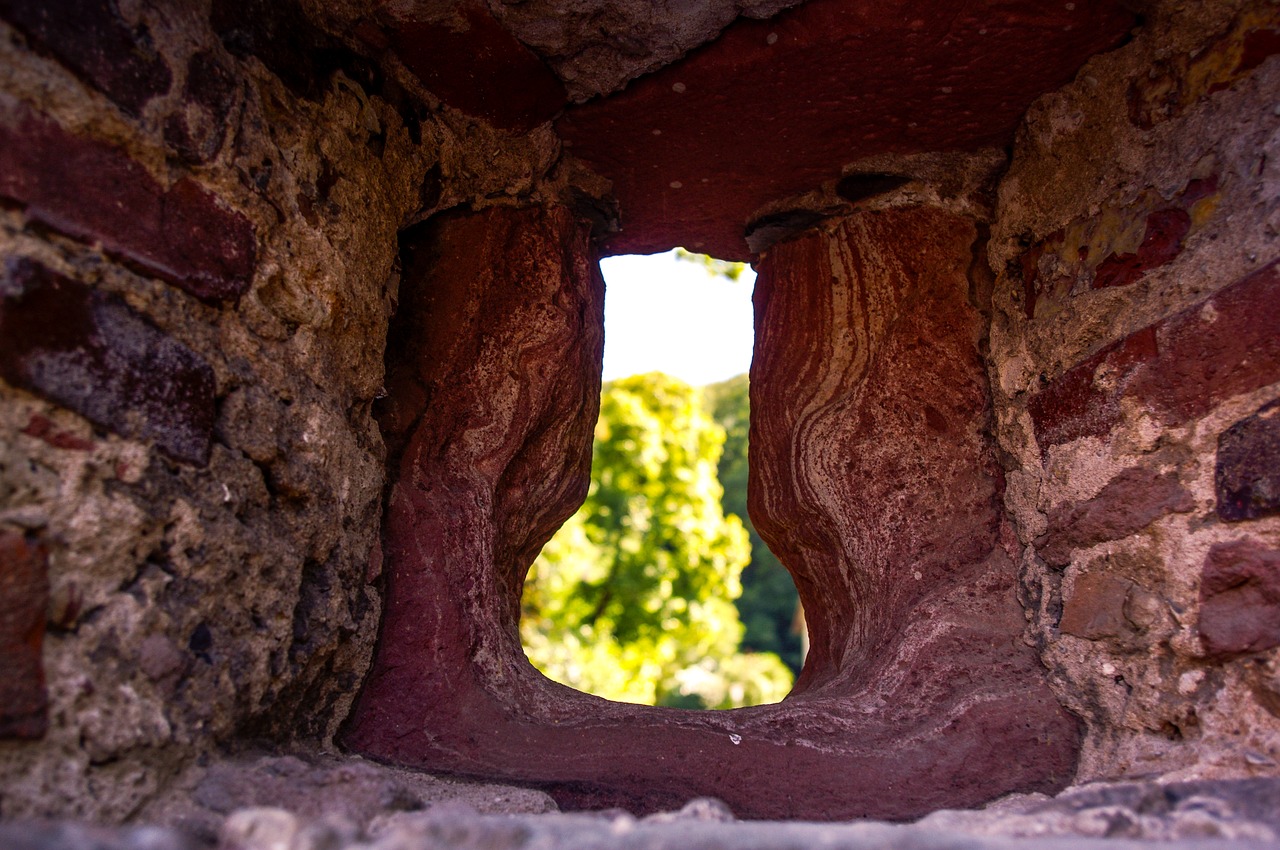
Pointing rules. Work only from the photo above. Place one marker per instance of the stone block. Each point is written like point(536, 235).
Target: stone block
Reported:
point(1096, 608)
point(91, 39)
point(1132, 500)
point(772, 108)
point(1179, 368)
point(89, 190)
point(90, 352)
point(1240, 598)
point(24, 597)
point(1247, 471)
point(196, 131)
point(515, 91)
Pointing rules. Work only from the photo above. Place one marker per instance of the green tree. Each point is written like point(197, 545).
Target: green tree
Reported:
point(633, 598)
point(714, 267)
point(769, 600)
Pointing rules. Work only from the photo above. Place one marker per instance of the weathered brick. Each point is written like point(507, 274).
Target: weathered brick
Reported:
point(1240, 598)
point(1132, 500)
point(91, 39)
point(89, 190)
point(1247, 472)
point(1179, 368)
point(24, 596)
point(90, 352)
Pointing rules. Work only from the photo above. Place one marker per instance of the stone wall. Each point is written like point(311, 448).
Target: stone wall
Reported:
point(206, 208)
point(198, 213)
point(1135, 355)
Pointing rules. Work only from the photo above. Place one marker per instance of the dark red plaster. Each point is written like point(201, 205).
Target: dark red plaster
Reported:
point(1247, 470)
point(1240, 598)
point(89, 190)
point(91, 39)
point(1179, 368)
point(24, 598)
point(775, 108)
point(93, 354)
point(475, 65)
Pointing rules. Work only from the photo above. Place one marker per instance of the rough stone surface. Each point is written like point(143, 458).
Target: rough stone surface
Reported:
point(24, 595)
point(1247, 470)
point(93, 39)
point(887, 720)
point(1135, 314)
point(91, 353)
point(92, 191)
point(775, 108)
point(193, 607)
point(1129, 816)
point(1240, 598)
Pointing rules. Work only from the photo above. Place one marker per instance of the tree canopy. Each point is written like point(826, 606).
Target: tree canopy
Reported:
point(634, 598)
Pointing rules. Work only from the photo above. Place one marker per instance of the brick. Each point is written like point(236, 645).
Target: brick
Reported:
point(1247, 470)
point(24, 597)
point(1132, 500)
point(1096, 608)
point(90, 352)
point(91, 191)
point(1179, 369)
point(91, 39)
point(1240, 598)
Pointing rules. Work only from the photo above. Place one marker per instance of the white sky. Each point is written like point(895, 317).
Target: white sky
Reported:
point(666, 315)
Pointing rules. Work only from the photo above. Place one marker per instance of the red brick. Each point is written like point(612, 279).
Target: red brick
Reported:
point(1240, 598)
point(90, 352)
point(91, 39)
point(1179, 369)
point(24, 597)
point(1132, 500)
point(91, 191)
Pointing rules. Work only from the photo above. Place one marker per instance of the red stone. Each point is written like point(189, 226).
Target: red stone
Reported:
point(775, 108)
point(90, 352)
point(1095, 610)
point(1179, 368)
point(1240, 598)
point(24, 597)
point(920, 693)
point(1161, 243)
point(90, 38)
point(476, 66)
point(92, 191)
point(197, 131)
point(1247, 471)
point(1132, 500)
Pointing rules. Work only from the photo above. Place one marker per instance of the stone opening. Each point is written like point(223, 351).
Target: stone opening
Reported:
point(658, 590)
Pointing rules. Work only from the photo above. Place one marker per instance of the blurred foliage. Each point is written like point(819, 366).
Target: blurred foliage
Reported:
point(769, 600)
point(714, 267)
point(632, 599)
